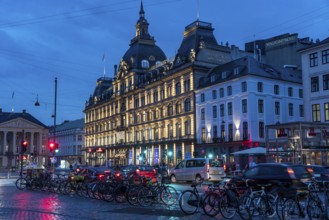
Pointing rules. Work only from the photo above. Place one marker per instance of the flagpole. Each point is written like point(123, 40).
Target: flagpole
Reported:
point(12, 103)
point(103, 59)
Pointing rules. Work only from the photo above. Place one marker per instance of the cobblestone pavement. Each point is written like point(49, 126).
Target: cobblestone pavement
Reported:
point(27, 204)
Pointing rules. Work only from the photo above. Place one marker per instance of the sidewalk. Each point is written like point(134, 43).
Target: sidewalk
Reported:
point(9, 175)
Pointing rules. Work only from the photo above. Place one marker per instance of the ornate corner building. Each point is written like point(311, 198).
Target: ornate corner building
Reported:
point(146, 113)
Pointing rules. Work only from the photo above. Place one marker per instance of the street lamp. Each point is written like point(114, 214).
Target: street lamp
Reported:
point(169, 155)
point(37, 102)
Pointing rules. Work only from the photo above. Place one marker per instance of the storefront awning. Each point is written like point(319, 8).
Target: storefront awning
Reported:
point(250, 151)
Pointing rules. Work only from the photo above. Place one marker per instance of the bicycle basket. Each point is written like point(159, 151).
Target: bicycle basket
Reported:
point(166, 180)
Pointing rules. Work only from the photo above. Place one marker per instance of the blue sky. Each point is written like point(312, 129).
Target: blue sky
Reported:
point(44, 39)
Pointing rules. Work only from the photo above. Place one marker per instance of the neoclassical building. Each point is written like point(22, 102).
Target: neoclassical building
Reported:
point(12, 127)
point(147, 112)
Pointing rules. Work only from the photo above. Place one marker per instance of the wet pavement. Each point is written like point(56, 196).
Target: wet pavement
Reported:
point(29, 204)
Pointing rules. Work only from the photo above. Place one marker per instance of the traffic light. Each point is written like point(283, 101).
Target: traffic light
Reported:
point(52, 146)
point(24, 145)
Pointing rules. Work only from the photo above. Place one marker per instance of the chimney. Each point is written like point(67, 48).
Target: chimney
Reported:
point(24, 111)
point(0, 110)
point(115, 69)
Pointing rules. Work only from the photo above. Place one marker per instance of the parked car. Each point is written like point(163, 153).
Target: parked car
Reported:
point(139, 170)
point(195, 169)
point(275, 174)
point(89, 173)
point(320, 173)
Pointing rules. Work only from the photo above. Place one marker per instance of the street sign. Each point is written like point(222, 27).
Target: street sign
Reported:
point(53, 160)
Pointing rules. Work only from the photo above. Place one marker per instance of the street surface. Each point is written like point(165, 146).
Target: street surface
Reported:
point(28, 204)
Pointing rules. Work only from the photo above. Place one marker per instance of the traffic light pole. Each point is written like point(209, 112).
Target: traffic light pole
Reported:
point(21, 172)
point(55, 109)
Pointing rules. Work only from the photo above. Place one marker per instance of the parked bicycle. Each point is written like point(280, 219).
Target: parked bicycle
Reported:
point(190, 201)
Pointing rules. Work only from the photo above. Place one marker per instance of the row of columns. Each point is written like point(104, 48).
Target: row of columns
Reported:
point(10, 145)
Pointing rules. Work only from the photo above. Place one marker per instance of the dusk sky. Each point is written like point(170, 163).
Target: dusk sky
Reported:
point(41, 40)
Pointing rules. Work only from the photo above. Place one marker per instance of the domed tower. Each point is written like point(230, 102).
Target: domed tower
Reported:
point(143, 53)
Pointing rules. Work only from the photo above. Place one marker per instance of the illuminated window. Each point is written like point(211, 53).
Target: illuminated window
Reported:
point(316, 113)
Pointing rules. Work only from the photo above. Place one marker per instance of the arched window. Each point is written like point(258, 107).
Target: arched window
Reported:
point(187, 125)
point(178, 130)
point(178, 88)
point(170, 109)
point(187, 105)
point(178, 108)
point(145, 64)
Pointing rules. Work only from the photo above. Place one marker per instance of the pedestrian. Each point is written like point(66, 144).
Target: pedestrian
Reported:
point(163, 163)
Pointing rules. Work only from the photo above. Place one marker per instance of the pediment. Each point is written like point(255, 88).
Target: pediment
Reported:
point(20, 123)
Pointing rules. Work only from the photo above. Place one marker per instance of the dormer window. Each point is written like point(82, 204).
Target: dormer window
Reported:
point(212, 78)
point(224, 75)
point(158, 63)
point(145, 64)
point(236, 70)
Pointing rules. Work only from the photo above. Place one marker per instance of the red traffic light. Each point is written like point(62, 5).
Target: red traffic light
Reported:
point(52, 146)
point(24, 145)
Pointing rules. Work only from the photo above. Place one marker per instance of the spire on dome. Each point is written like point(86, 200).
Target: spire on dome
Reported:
point(141, 11)
point(142, 25)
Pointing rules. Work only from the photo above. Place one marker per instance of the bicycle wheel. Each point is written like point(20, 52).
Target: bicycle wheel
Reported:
point(69, 188)
point(263, 206)
point(189, 202)
point(132, 195)
point(169, 195)
point(291, 210)
point(242, 205)
point(226, 208)
point(211, 204)
point(314, 210)
point(120, 194)
point(145, 197)
point(278, 207)
point(20, 183)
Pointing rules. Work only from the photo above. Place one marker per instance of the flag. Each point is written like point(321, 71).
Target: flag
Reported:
point(103, 59)
point(12, 95)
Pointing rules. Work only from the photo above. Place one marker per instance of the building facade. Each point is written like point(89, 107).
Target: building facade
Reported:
point(308, 140)
point(236, 101)
point(279, 51)
point(315, 61)
point(146, 114)
point(16, 127)
point(70, 139)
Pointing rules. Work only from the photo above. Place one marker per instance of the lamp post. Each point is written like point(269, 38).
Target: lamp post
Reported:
point(55, 109)
point(54, 129)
